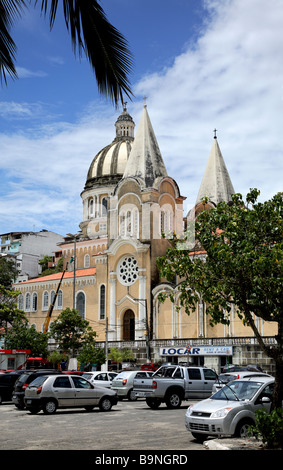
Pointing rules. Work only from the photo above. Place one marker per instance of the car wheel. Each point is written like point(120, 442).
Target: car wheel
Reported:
point(105, 404)
point(49, 407)
point(153, 403)
point(20, 406)
point(132, 396)
point(242, 429)
point(199, 437)
point(173, 400)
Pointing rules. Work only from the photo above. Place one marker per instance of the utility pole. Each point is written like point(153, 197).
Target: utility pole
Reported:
point(106, 343)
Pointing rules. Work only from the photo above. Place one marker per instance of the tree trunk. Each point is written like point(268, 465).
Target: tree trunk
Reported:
point(278, 387)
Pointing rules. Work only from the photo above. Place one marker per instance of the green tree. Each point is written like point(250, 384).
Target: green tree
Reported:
point(91, 33)
point(44, 262)
point(22, 337)
point(91, 354)
point(242, 265)
point(71, 331)
point(9, 312)
point(8, 272)
point(119, 355)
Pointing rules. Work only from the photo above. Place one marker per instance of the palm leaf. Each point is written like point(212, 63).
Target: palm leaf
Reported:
point(104, 46)
point(9, 10)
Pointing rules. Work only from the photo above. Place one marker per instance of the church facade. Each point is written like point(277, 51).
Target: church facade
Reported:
point(111, 276)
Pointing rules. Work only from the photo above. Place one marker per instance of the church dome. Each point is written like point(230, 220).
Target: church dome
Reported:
point(109, 164)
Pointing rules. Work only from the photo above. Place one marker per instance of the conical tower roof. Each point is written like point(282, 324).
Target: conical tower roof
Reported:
point(216, 183)
point(145, 160)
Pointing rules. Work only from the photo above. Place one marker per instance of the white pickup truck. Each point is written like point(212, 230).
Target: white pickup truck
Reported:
point(172, 384)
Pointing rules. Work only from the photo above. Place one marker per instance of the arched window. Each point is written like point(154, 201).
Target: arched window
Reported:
point(27, 302)
point(102, 299)
point(122, 224)
point(80, 304)
point(129, 222)
point(87, 261)
point(166, 223)
point(90, 208)
point(21, 301)
point(60, 299)
point(52, 297)
point(34, 302)
point(45, 301)
point(104, 206)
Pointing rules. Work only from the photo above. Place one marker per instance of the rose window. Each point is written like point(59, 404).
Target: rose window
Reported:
point(128, 270)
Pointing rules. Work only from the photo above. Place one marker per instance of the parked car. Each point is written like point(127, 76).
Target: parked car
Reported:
point(223, 379)
point(24, 380)
point(237, 368)
point(48, 393)
point(150, 366)
point(123, 383)
point(173, 384)
point(102, 379)
point(231, 410)
point(73, 372)
point(7, 382)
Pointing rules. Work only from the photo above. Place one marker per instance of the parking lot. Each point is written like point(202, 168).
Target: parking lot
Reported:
point(128, 426)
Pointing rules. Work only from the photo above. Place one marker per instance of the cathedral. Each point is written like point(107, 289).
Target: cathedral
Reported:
point(111, 276)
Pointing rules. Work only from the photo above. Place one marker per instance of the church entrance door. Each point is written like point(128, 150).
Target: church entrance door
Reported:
point(129, 326)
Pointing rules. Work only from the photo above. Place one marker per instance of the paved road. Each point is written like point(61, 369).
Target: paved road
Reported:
point(128, 426)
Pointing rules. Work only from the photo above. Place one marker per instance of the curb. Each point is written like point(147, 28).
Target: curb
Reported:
point(213, 444)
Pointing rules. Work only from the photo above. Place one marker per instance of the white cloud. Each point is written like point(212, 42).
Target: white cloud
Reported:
point(26, 73)
point(230, 79)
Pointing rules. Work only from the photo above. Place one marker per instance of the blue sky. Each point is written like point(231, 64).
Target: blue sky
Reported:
point(202, 64)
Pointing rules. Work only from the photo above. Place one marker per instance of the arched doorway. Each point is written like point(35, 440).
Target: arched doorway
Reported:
point(129, 326)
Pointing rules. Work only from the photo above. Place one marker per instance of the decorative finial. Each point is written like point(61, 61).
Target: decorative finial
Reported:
point(125, 106)
point(215, 136)
point(144, 101)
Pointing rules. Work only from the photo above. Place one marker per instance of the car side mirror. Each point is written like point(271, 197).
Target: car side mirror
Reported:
point(265, 400)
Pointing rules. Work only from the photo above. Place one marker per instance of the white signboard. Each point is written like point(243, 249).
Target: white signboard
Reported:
point(196, 351)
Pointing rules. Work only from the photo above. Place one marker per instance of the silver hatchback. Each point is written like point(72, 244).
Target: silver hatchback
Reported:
point(227, 377)
point(123, 383)
point(231, 410)
point(48, 393)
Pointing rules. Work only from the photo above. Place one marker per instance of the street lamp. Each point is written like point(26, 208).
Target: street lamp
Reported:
point(74, 238)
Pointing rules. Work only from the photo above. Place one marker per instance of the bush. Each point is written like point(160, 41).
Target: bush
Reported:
point(269, 428)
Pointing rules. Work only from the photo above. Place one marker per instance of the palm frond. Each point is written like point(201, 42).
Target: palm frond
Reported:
point(9, 10)
point(104, 46)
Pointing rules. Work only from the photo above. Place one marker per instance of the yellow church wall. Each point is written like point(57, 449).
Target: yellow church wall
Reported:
point(197, 324)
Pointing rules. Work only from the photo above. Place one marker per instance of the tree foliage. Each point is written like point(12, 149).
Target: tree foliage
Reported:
point(9, 312)
point(103, 45)
point(237, 259)
point(20, 336)
point(71, 331)
point(91, 354)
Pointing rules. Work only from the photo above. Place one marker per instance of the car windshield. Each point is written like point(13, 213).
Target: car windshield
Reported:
point(238, 390)
point(23, 378)
point(224, 378)
point(123, 375)
point(87, 376)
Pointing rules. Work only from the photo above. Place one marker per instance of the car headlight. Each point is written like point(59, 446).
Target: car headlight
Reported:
point(189, 410)
point(220, 413)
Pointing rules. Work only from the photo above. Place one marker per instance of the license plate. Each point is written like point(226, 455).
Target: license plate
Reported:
point(142, 394)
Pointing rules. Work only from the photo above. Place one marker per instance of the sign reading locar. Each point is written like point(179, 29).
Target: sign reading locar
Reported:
point(196, 351)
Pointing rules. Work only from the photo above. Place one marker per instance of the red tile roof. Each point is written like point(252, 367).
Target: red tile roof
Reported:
point(67, 275)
